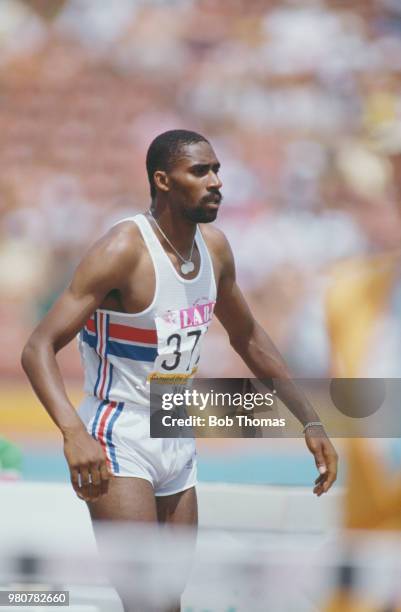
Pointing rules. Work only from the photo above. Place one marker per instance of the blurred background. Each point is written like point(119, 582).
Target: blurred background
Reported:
point(301, 101)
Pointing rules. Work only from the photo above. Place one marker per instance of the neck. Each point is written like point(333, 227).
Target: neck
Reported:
point(179, 230)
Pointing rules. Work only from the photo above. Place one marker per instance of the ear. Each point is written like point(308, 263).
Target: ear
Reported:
point(161, 180)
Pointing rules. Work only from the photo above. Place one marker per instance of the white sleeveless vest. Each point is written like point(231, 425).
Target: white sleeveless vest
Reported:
point(122, 352)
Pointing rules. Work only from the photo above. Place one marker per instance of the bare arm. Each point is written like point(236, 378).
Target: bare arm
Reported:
point(259, 353)
point(100, 271)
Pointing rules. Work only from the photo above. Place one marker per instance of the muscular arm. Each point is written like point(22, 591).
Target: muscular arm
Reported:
point(257, 350)
point(101, 270)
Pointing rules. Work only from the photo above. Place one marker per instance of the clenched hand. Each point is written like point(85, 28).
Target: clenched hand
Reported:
point(87, 463)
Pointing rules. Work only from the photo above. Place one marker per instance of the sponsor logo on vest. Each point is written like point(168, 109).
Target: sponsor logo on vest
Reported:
point(196, 315)
point(161, 378)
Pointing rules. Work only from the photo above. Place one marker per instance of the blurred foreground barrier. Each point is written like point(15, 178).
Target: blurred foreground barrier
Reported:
point(253, 541)
point(33, 509)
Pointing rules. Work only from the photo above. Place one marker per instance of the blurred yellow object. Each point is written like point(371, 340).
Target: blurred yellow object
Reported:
point(357, 296)
point(347, 602)
point(380, 108)
point(373, 495)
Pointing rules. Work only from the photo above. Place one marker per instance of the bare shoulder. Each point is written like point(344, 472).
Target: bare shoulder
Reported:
point(217, 242)
point(114, 255)
point(122, 243)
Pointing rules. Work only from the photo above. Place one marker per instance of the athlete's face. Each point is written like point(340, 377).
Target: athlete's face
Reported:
point(194, 184)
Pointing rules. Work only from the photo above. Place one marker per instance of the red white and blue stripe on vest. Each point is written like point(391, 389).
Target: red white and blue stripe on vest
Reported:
point(125, 341)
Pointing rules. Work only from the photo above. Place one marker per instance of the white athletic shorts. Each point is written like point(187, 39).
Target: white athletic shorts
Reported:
point(123, 430)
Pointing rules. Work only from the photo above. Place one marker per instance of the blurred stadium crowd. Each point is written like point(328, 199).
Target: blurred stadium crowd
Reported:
point(301, 100)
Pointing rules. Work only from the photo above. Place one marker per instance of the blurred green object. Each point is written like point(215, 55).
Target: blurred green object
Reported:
point(10, 459)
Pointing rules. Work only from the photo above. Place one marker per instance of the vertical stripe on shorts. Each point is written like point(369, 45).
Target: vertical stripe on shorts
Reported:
point(102, 430)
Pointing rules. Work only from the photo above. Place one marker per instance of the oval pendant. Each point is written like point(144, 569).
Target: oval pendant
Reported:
point(187, 267)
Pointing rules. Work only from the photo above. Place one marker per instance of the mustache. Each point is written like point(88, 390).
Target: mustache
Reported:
point(213, 197)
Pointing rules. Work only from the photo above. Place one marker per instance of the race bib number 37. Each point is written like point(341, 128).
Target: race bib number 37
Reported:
point(179, 337)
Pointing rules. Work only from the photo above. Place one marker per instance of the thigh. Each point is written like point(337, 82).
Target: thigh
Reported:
point(128, 499)
point(175, 511)
point(178, 509)
point(131, 501)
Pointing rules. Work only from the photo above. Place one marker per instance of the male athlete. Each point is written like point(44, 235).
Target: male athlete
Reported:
point(130, 300)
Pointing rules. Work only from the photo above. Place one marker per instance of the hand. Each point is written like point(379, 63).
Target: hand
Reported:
point(87, 463)
point(326, 458)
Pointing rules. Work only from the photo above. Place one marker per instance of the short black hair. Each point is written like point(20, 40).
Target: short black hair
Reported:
point(165, 149)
